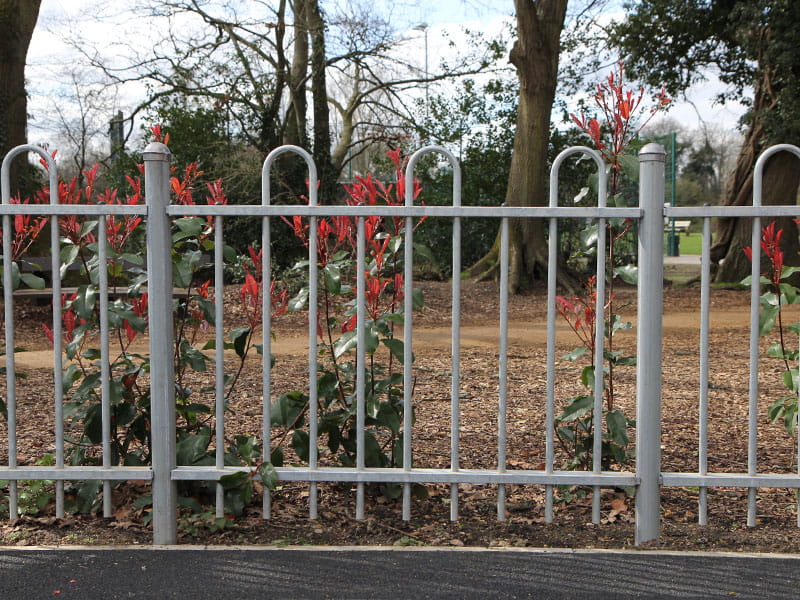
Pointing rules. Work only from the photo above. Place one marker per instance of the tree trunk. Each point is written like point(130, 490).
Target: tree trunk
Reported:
point(319, 92)
point(296, 117)
point(535, 56)
point(781, 180)
point(17, 20)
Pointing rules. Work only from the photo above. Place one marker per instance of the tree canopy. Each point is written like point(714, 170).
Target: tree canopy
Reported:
point(754, 46)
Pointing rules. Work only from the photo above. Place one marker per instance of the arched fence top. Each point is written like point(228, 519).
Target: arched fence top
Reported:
point(5, 171)
point(602, 177)
point(412, 163)
point(272, 156)
point(758, 173)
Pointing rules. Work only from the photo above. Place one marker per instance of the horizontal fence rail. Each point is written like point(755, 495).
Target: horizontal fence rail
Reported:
point(164, 472)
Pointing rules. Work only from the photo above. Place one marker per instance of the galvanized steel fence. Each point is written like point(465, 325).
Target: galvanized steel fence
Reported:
point(165, 473)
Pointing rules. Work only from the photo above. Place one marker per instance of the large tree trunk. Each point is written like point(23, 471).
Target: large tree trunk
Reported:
point(17, 20)
point(781, 180)
point(535, 56)
point(319, 92)
point(296, 117)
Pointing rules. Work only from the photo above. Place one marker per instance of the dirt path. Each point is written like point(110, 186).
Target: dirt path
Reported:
point(438, 338)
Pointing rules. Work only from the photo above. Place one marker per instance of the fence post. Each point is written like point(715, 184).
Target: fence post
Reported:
point(162, 371)
point(652, 159)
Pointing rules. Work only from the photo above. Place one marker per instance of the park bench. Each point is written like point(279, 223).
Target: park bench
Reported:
point(680, 226)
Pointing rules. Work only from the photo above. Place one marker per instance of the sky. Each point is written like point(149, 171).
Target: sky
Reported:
point(445, 19)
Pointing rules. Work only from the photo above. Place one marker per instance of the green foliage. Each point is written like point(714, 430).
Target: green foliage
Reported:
point(337, 378)
point(127, 387)
point(747, 42)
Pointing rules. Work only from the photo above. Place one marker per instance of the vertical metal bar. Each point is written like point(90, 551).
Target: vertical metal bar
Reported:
point(361, 380)
point(705, 303)
point(219, 362)
point(408, 306)
point(11, 385)
point(455, 344)
point(312, 316)
point(752, 407)
point(105, 358)
point(599, 359)
point(266, 358)
point(599, 345)
point(408, 382)
point(503, 375)
point(162, 368)
point(648, 343)
point(266, 348)
point(552, 259)
point(8, 302)
point(755, 297)
point(313, 322)
point(755, 292)
point(58, 388)
point(552, 271)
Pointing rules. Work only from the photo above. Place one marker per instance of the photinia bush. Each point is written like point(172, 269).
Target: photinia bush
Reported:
point(336, 328)
point(622, 113)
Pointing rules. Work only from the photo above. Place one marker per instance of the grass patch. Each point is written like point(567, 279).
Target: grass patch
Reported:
point(689, 243)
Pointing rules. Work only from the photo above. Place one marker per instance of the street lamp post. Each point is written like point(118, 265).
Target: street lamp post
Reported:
point(423, 27)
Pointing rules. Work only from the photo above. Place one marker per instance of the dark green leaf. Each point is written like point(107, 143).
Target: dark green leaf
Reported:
point(234, 480)
point(333, 278)
point(587, 376)
point(268, 475)
point(589, 236)
point(239, 338)
point(192, 448)
point(32, 281)
point(84, 302)
point(766, 318)
point(576, 353)
point(287, 408)
point(396, 347)
point(578, 407)
point(299, 301)
point(418, 300)
point(617, 427)
point(628, 273)
point(300, 441)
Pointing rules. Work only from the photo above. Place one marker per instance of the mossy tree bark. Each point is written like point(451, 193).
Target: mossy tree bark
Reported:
point(781, 180)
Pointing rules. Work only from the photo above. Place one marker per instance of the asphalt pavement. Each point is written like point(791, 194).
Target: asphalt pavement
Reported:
point(197, 573)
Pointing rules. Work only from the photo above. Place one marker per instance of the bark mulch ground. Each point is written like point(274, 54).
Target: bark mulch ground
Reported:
point(777, 529)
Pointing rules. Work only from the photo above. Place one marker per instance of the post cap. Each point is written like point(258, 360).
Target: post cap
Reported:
point(652, 152)
point(156, 151)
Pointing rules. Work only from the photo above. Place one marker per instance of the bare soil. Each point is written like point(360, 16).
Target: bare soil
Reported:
point(776, 531)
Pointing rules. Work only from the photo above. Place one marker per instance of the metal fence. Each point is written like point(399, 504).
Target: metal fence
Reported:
point(165, 473)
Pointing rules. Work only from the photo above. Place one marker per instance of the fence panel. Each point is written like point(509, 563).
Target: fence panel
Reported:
point(752, 479)
point(59, 472)
point(165, 473)
point(409, 474)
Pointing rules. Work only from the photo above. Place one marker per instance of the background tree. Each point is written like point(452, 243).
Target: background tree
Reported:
point(17, 21)
point(535, 56)
point(285, 71)
point(752, 44)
